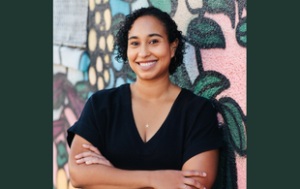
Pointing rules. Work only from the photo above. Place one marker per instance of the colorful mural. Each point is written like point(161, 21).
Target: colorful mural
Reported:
point(70, 91)
point(214, 67)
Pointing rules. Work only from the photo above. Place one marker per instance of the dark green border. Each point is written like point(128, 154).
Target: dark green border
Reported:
point(26, 94)
point(272, 94)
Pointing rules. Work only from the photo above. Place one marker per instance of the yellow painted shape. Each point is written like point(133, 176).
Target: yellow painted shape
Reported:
point(107, 18)
point(106, 59)
point(101, 28)
point(92, 5)
point(105, 1)
point(99, 64)
point(106, 76)
point(97, 17)
point(102, 43)
point(92, 40)
point(98, 1)
point(92, 75)
point(110, 42)
point(100, 83)
point(62, 180)
point(195, 4)
point(183, 17)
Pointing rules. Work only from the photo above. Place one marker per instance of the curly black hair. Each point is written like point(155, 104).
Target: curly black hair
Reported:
point(121, 39)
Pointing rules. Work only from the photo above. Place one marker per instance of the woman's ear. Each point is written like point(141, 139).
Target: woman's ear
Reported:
point(173, 47)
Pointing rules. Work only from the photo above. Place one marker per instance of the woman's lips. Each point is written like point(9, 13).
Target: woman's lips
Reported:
point(147, 65)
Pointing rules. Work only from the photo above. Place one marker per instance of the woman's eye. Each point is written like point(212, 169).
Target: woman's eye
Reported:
point(134, 43)
point(153, 41)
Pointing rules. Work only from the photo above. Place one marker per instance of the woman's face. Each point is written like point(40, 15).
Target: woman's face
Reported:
point(149, 52)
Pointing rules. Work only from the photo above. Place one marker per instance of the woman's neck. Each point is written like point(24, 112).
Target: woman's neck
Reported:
point(151, 90)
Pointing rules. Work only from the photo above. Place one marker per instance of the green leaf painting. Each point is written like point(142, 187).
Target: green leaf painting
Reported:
point(215, 4)
point(165, 5)
point(243, 28)
point(82, 89)
point(241, 32)
point(180, 78)
point(235, 121)
point(205, 33)
point(210, 84)
point(62, 154)
point(115, 23)
point(226, 7)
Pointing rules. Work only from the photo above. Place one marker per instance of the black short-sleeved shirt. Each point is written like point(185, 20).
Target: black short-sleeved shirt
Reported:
point(107, 122)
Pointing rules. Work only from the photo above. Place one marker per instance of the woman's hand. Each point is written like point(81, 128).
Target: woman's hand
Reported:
point(93, 156)
point(166, 179)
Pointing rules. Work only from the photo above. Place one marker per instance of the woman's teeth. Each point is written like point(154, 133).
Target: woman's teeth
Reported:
point(147, 64)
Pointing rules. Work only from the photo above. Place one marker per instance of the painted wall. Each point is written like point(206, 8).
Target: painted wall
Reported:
point(214, 67)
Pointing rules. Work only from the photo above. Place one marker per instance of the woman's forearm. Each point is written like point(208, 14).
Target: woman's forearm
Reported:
point(101, 176)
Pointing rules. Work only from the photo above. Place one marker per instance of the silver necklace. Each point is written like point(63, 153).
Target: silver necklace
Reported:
point(147, 125)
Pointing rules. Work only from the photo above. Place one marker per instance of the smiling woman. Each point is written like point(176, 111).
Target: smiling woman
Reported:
point(151, 133)
point(149, 52)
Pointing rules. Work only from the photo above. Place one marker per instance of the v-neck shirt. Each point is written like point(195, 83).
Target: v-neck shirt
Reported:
point(107, 122)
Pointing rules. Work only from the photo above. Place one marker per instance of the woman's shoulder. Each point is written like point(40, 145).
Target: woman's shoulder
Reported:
point(111, 95)
point(195, 102)
point(190, 97)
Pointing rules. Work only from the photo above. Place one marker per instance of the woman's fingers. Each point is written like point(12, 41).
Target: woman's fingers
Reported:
point(91, 157)
point(97, 160)
point(193, 182)
point(191, 173)
point(92, 148)
point(94, 160)
point(190, 182)
point(86, 154)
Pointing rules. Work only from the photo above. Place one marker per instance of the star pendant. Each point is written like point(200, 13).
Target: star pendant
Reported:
point(147, 125)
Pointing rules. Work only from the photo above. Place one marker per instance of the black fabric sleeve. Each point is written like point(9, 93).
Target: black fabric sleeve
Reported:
point(203, 133)
point(86, 126)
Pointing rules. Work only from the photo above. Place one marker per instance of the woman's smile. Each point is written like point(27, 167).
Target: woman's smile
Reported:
point(146, 65)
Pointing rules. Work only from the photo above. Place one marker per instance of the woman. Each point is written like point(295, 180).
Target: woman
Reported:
point(151, 133)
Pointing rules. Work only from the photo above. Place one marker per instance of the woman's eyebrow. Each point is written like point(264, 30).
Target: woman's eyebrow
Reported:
point(132, 37)
point(155, 34)
point(150, 35)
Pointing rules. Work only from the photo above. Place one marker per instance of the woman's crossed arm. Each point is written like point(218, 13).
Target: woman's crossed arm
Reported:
point(100, 173)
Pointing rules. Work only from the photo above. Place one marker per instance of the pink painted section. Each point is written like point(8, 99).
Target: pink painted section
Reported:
point(244, 14)
point(231, 62)
point(60, 137)
point(57, 127)
point(70, 116)
point(241, 164)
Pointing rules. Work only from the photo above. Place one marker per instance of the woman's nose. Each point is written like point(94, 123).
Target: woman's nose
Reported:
point(144, 51)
